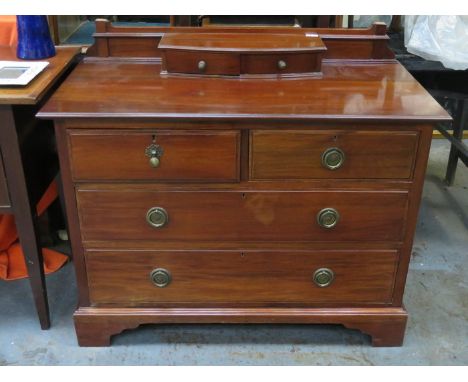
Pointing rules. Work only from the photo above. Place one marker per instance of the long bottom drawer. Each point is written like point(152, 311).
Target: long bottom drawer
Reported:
point(319, 277)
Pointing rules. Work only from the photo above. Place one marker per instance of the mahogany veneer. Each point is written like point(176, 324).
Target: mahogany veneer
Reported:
point(273, 215)
point(241, 54)
point(188, 155)
point(387, 154)
point(242, 278)
point(216, 199)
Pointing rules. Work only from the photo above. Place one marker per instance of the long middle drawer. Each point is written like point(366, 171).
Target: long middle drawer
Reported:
point(121, 213)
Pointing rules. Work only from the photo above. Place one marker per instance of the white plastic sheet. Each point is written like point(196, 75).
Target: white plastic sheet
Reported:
point(439, 38)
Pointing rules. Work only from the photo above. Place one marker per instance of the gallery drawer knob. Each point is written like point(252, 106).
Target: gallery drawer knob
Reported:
point(323, 277)
point(160, 277)
point(328, 218)
point(157, 217)
point(282, 65)
point(333, 158)
point(154, 153)
point(201, 65)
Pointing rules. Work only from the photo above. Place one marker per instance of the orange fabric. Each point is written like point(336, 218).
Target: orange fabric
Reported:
point(8, 32)
point(12, 262)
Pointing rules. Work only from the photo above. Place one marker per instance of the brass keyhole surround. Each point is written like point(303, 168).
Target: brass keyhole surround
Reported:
point(154, 152)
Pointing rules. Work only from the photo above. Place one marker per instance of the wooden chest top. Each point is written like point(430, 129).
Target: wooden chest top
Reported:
point(347, 90)
point(242, 42)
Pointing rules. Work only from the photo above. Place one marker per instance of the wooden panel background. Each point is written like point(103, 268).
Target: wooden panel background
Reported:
point(138, 42)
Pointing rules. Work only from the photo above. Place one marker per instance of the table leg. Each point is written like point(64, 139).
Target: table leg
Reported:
point(458, 126)
point(25, 213)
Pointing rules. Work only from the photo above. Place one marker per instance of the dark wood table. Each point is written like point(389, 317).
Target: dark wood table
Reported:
point(28, 161)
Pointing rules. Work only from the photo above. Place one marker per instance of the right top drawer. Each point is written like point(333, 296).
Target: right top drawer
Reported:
point(299, 154)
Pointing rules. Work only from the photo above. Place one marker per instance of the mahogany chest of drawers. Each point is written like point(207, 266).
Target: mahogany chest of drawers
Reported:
point(214, 195)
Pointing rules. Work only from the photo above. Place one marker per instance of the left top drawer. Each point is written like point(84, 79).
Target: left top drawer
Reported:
point(160, 155)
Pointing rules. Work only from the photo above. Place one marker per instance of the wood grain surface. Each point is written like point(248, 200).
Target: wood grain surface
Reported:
point(187, 155)
point(352, 92)
point(342, 43)
point(292, 154)
point(241, 277)
point(241, 216)
point(187, 62)
point(32, 93)
point(95, 326)
point(241, 42)
point(296, 63)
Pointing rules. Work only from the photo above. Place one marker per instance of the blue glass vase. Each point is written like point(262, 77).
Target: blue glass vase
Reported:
point(34, 41)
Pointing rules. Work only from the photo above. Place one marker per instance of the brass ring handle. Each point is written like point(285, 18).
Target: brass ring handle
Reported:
point(157, 217)
point(323, 277)
point(160, 277)
point(202, 65)
point(333, 158)
point(154, 153)
point(328, 218)
point(282, 65)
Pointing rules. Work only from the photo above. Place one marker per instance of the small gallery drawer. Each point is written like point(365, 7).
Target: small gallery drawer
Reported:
point(295, 154)
point(326, 277)
point(281, 63)
point(124, 214)
point(158, 155)
point(201, 63)
point(4, 198)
